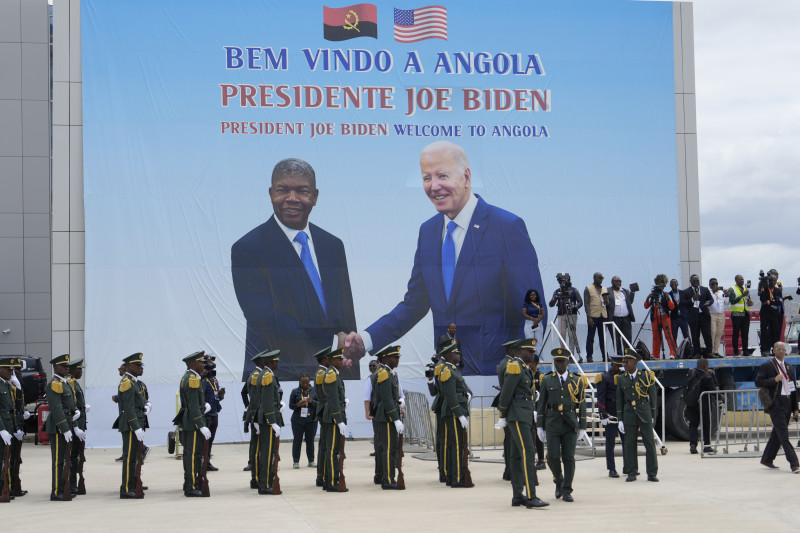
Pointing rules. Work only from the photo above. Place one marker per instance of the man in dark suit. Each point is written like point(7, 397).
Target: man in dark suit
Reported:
point(779, 378)
point(620, 310)
point(474, 263)
point(695, 301)
point(448, 336)
point(291, 278)
point(772, 311)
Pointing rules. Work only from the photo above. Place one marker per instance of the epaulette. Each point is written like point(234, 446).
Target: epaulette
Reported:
point(194, 382)
point(254, 379)
point(541, 377)
point(266, 379)
point(651, 375)
point(615, 378)
point(57, 386)
point(330, 377)
point(585, 381)
point(319, 377)
point(383, 375)
point(444, 375)
point(438, 369)
point(598, 378)
point(125, 385)
point(513, 368)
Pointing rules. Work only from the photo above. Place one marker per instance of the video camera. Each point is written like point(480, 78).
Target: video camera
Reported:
point(564, 281)
point(211, 367)
point(430, 367)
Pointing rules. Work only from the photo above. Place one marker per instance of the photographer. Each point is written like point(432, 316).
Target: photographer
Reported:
point(213, 396)
point(661, 305)
point(620, 310)
point(739, 297)
point(772, 312)
point(569, 301)
point(303, 401)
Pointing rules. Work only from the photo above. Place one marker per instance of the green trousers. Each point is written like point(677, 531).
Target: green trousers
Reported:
point(633, 427)
point(58, 454)
point(193, 442)
point(454, 450)
point(387, 451)
point(522, 463)
point(330, 455)
point(266, 452)
point(561, 449)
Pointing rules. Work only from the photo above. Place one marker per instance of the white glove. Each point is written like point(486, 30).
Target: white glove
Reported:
point(15, 381)
point(621, 427)
point(342, 427)
point(19, 434)
point(206, 433)
point(537, 396)
point(604, 422)
point(402, 403)
point(583, 435)
point(542, 434)
point(469, 397)
point(283, 404)
point(89, 408)
point(68, 435)
point(463, 421)
point(77, 415)
point(535, 416)
point(398, 426)
point(208, 408)
point(139, 434)
point(81, 434)
point(258, 428)
point(148, 406)
point(346, 402)
point(501, 424)
point(6, 436)
point(25, 415)
point(277, 429)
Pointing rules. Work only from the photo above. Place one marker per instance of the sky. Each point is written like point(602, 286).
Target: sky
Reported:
point(748, 136)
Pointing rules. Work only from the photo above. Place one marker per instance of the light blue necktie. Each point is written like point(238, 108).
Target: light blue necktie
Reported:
point(305, 257)
point(449, 259)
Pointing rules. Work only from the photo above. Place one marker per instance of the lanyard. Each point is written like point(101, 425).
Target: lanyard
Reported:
point(782, 371)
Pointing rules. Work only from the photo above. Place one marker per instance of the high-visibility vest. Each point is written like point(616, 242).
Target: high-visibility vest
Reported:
point(741, 305)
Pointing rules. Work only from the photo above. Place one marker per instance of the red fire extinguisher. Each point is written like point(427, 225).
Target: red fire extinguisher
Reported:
point(42, 411)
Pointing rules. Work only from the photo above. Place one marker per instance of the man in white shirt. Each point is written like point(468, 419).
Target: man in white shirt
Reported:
point(717, 312)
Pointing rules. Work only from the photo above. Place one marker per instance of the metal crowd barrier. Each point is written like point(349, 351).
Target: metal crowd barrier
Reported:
point(743, 429)
point(419, 428)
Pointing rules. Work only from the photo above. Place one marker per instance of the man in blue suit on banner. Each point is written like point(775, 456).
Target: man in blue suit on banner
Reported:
point(473, 265)
point(291, 278)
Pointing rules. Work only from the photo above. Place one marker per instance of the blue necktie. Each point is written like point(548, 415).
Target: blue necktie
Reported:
point(305, 257)
point(449, 259)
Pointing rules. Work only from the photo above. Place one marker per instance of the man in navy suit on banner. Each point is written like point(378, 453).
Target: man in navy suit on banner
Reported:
point(473, 265)
point(291, 278)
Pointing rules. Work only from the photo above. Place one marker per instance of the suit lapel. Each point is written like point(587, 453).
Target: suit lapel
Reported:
point(475, 232)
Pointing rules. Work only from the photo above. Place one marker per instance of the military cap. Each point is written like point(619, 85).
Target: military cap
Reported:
point(389, 351)
point(559, 353)
point(133, 358)
point(17, 363)
point(616, 359)
point(259, 355)
point(196, 356)
point(510, 345)
point(630, 354)
point(8, 362)
point(271, 356)
point(526, 344)
point(450, 348)
point(62, 359)
point(77, 363)
point(322, 354)
point(336, 353)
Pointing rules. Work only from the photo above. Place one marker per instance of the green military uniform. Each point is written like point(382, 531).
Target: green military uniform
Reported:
point(387, 411)
point(132, 417)
point(16, 445)
point(455, 404)
point(333, 414)
point(190, 419)
point(501, 372)
point(268, 400)
point(319, 389)
point(516, 404)
point(251, 417)
point(561, 414)
point(436, 407)
point(637, 397)
point(80, 423)
point(59, 425)
point(8, 421)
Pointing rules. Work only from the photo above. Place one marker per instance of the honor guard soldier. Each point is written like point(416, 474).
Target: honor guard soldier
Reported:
point(517, 403)
point(75, 373)
point(387, 415)
point(131, 422)
point(562, 420)
point(21, 415)
point(192, 422)
point(334, 420)
point(319, 379)
point(267, 420)
point(501, 372)
point(251, 416)
point(637, 396)
point(455, 410)
point(434, 387)
point(60, 422)
point(606, 385)
point(8, 423)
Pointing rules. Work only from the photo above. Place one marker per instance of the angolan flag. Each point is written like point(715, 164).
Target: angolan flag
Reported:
point(412, 25)
point(342, 23)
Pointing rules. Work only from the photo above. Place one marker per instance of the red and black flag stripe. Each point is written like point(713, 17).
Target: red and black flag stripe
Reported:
point(342, 23)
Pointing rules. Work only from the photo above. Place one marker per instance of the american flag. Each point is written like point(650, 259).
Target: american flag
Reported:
point(412, 25)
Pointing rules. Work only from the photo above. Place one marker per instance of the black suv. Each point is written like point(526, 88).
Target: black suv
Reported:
point(34, 380)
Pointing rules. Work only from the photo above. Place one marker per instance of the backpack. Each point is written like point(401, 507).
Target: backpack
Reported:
point(692, 390)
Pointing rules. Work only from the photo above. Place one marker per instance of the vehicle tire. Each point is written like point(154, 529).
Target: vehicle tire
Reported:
point(676, 421)
point(171, 442)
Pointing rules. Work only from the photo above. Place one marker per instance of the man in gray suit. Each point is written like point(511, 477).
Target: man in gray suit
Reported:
point(620, 309)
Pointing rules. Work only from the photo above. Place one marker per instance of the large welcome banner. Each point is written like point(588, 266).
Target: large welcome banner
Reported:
point(564, 110)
